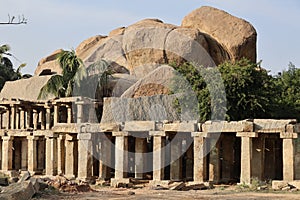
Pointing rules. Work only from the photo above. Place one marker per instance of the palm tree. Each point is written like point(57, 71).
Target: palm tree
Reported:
point(96, 82)
point(73, 70)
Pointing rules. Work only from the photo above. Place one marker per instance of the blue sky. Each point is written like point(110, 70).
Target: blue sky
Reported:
point(54, 24)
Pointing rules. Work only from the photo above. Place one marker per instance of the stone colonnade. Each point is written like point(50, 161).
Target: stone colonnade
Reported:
point(160, 152)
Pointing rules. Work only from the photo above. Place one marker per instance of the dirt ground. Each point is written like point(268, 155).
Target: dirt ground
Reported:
point(224, 193)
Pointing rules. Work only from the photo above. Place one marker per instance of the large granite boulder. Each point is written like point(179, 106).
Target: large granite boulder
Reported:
point(85, 48)
point(144, 41)
point(49, 63)
point(236, 36)
point(109, 49)
point(187, 44)
point(156, 83)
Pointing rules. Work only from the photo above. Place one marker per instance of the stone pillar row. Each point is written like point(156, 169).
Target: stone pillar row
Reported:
point(72, 155)
point(22, 117)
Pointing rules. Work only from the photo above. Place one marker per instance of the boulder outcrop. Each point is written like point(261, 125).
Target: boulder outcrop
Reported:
point(236, 36)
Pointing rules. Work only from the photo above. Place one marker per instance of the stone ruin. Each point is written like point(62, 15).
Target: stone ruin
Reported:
point(63, 136)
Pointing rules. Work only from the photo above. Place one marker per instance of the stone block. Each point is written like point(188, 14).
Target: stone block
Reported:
point(181, 127)
point(295, 184)
point(278, 185)
point(264, 125)
point(222, 126)
point(139, 126)
point(3, 181)
point(246, 134)
point(125, 182)
point(288, 135)
point(18, 191)
point(109, 127)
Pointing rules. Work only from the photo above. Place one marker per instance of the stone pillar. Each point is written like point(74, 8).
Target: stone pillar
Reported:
point(8, 118)
point(13, 117)
point(22, 119)
point(43, 119)
point(159, 141)
point(176, 159)
point(32, 153)
point(105, 157)
point(288, 155)
point(85, 156)
point(121, 156)
point(55, 114)
point(71, 156)
point(17, 124)
point(69, 114)
point(199, 157)
point(7, 152)
point(35, 119)
point(140, 157)
point(246, 155)
point(51, 155)
point(61, 154)
point(48, 117)
point(79, 112)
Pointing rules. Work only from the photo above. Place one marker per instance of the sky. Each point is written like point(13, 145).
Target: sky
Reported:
point(55, 24)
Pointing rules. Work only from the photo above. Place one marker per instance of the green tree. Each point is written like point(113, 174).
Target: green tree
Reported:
point(287, 97)
point(73, 70)
point(246, 84)
point(7, 72)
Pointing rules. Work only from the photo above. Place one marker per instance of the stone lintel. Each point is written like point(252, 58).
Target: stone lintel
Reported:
point(19, 133)
point(139, 126)
point(288, 135)
point(157, 133)
point(109, 127)
point(84, 136)
point(199, 134)
point(181, 127)
point(32, 137)
point(224, 126)
point(50, 134)
point(88, 128)
point(247, 134)
point(120, 133)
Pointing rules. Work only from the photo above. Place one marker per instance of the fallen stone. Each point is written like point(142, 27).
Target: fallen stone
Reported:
point(278, 185)
point(26, 176)
point(14, 179)
point(18, 191)
point(176, 186)
point(131, 193)
point(286, 188)
point(35, 184)
point(295, 184)
point(4, 181)
point(196, 186)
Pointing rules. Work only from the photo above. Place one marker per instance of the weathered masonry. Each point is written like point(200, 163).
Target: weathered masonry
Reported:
point(63, 136)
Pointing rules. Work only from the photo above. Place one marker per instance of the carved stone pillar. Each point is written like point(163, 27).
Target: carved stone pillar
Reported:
point(7, 152)
point(51, 155)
